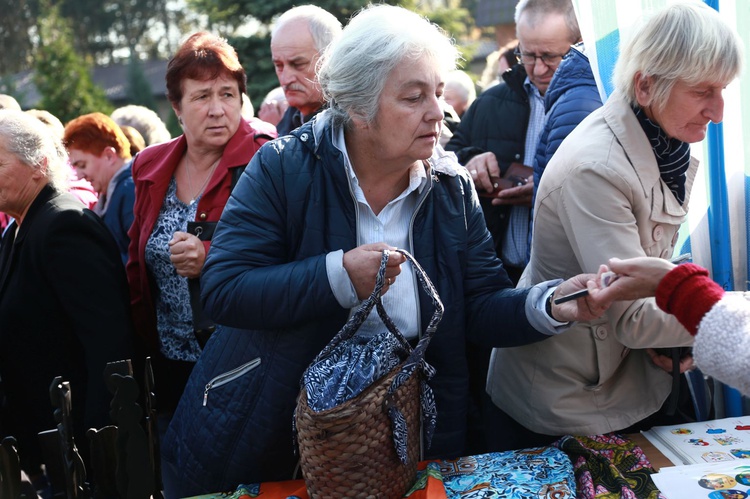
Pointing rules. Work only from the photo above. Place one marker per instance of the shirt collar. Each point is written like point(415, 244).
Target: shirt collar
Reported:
point(417, 173)
point(531, 89)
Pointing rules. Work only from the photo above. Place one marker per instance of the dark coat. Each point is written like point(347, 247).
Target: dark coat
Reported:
point(571, 96)
point(495, 122)
point(119, 215)
point(63, 312)
point(266, 274)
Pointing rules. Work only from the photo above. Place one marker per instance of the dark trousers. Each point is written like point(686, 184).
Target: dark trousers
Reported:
point(504, 433)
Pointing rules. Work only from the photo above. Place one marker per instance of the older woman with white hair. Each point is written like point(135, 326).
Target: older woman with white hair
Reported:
point(619, 185)
point(300, 242)
point(64, 305)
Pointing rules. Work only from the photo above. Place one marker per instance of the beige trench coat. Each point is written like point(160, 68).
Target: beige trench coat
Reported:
point(601, 196)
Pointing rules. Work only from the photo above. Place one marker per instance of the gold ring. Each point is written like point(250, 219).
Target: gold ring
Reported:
point(389, 281)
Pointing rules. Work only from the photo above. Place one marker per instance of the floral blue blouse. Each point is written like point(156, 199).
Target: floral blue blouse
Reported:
point(174, 318)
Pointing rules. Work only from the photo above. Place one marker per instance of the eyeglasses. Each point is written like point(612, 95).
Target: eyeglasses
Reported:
point(547, 59)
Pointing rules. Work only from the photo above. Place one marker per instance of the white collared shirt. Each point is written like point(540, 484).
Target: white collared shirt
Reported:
point(391, 226)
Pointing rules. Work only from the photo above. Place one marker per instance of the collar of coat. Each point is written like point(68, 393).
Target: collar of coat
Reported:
point(441, 161)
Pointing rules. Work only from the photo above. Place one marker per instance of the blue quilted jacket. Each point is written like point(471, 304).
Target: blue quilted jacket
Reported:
point(265, 282)
point(572, 95)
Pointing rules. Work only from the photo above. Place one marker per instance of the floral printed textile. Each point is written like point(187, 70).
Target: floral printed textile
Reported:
point(609, 467)
point(542, 473)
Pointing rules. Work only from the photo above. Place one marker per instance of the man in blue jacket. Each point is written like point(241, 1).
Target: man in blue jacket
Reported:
point(503, 125)
point(572, 95)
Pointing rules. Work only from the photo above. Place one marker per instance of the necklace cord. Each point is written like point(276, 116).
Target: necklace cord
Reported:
point(205, 182)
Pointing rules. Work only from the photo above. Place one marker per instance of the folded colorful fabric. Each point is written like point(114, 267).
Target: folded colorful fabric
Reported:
point(609, 467)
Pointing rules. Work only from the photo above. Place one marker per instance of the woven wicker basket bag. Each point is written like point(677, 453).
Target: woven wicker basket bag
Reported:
point(354, 449)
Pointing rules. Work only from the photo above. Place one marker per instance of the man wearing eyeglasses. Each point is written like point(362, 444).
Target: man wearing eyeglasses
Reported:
point(503, 125)
point(501, 128)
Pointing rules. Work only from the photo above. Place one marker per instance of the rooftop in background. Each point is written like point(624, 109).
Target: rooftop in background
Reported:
point(113, 79)
point(494, 12)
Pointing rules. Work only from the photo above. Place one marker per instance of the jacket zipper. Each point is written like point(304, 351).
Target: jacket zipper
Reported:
point(229, 376)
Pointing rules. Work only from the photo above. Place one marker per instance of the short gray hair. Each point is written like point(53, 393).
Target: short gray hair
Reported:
point(353, 69)
point(463, 84)
point(687, 42)
point(323, 25)
point(146, 121)
point(536, 8)
point(29, 140)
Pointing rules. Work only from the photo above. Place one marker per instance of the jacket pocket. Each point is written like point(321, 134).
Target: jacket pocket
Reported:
point(229, 376)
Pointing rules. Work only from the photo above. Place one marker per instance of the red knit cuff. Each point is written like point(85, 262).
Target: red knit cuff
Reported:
point(688, 293)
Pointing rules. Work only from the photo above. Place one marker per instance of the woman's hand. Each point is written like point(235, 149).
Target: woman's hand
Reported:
point(637, 278)
point(665, 361)
point(363, 262)
point(187, 254)
point(585, 308)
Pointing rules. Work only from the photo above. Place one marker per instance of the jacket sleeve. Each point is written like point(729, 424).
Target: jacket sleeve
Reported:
point(569, 110)
point(495, 310)
point(135, 271)
point(123, 201)
point(723, 332)
point(251, 280)
point(602, 226)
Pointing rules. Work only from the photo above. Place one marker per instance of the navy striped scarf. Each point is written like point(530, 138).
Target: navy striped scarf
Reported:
point(672, 155)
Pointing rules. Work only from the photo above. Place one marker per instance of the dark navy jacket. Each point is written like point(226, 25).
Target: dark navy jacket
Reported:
point(495, 122)
point(571, 96)
point(119, 215)
point(265, 281)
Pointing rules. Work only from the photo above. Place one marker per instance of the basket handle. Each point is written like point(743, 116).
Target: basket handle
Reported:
point(416, 355)
point(360, 315)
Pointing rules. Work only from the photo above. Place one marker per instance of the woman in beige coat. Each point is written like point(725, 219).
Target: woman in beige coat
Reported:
point(619, 185)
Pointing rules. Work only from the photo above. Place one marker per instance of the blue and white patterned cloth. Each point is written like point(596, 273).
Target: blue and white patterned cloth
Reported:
point(543, 473)
point(351, 363)
point(174, 317)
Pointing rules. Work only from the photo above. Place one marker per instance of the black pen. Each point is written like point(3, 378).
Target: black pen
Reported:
point(571, 296)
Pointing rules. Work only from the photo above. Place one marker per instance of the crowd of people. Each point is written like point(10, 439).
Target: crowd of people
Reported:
point(233, 253)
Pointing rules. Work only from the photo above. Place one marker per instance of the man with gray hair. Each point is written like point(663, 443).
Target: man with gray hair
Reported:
point(297, 41)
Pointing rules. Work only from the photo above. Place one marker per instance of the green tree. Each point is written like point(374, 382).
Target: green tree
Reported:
point(14, 33)
point(62, 77)
point(453, 17)
point(254, 53)
point(235, 13)
point(139, 89)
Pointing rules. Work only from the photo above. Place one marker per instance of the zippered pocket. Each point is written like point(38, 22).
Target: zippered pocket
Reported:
point(229, 376)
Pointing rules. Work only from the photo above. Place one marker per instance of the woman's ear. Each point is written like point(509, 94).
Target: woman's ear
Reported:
point(177, 113)
point(643, 88)
point(41, 172)
point(358, 123)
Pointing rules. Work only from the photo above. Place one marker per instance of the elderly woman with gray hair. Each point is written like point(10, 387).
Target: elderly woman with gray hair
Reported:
point(619, 185)
point(300, 242)
point(64, 305)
